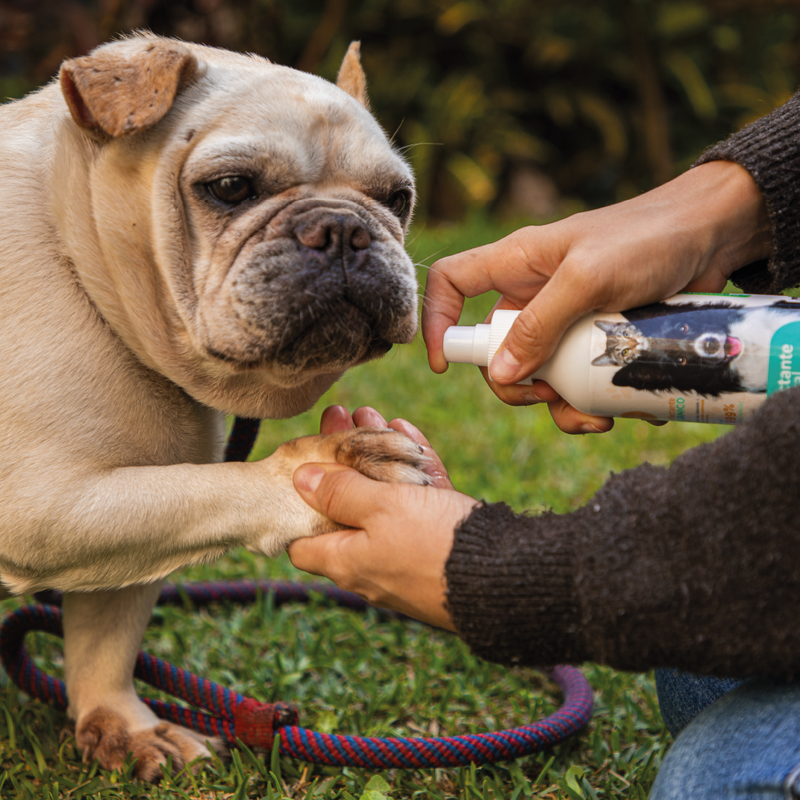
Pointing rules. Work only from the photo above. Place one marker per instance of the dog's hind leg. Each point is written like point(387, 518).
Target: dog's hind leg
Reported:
point(102, 636)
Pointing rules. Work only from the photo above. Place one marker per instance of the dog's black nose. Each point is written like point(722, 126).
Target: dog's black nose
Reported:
point(333, 232)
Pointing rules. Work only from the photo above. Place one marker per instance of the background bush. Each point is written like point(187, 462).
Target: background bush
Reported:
point(507, 106)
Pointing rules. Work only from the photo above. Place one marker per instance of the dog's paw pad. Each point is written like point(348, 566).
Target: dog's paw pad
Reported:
point(104, 735)
point(384, 455)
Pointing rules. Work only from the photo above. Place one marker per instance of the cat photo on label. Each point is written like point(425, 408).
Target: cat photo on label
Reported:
point(710, 348)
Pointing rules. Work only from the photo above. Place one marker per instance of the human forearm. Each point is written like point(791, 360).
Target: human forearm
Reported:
point(769, 149)
point(695, 566)
point(726, 215)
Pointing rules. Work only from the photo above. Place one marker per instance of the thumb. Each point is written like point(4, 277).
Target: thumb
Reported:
point(340, 493)
point(537, 331)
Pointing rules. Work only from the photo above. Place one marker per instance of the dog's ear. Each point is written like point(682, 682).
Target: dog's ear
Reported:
point(351, 77)
point(127, 86)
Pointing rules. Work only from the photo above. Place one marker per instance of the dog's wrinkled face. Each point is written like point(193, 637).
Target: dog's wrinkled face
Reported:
point(299, 221)
point(265, 211)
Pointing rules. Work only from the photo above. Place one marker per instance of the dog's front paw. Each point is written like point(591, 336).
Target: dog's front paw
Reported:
point(104, 735)
point(382, 454)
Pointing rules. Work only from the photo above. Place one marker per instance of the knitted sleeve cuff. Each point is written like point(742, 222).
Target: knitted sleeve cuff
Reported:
point(507, 610)
point(769, 149)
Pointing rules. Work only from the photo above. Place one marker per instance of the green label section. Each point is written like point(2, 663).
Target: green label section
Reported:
point(784, 359)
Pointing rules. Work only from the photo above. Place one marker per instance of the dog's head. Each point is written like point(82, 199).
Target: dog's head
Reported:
point(250, 218)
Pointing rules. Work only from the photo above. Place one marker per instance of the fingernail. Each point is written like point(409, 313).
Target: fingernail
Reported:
point(308, 478)
point(504, 366)
point(589, 428)
point(531, 398)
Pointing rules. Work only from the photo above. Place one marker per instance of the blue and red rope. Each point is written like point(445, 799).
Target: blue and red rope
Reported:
point(235, 717)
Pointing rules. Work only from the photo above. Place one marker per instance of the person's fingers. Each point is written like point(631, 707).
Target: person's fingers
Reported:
point(570, 420)
point(410, 430)
point(318, 554)
point(441, 308)
point(335, 419)
point(453, 278)
point(368, 416)
point(340, 493)
point(540, 326)
point(521, 394)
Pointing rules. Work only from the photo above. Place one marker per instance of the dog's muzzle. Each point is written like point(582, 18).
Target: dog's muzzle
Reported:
point(718, 346)
point(323, 286)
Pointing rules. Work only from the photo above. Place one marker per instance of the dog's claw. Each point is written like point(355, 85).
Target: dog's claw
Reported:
point(383, 454)
point(103, 735)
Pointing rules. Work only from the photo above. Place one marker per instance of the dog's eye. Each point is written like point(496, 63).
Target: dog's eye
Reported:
point(398, 202)
point(684, 328)
point(232, 189)
point(681, 360)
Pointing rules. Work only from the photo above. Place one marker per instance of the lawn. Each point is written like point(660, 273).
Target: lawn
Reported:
point(356, 674)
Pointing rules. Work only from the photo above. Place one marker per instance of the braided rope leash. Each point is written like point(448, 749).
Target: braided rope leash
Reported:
point(236, 717)
point(233, 716)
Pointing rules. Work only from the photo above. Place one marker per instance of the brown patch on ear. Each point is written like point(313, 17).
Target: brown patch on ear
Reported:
point(121, 89)
point(351, 77)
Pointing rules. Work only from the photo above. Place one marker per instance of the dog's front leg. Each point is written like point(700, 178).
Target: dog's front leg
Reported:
point(102, 634)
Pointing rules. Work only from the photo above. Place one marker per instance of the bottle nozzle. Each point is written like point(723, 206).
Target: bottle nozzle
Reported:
point(467, 344)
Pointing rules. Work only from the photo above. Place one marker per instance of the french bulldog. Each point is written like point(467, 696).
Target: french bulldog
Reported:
point(184, 232)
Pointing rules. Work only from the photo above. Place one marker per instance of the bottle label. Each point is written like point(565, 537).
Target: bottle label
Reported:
point(784, 361)
point(698, 358)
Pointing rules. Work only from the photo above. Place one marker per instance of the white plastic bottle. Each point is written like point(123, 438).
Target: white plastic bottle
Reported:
point(693, 357)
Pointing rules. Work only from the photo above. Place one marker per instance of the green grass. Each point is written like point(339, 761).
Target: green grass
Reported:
point(364, 675)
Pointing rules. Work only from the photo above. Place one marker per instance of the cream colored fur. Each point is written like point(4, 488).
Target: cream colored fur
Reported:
point(132, 318)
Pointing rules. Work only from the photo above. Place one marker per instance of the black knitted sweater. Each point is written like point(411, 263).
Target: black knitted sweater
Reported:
point(696, 565)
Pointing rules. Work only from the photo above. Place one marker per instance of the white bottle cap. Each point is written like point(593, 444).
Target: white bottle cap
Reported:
point(467, 345)
point(477, 345)
point(502, 320)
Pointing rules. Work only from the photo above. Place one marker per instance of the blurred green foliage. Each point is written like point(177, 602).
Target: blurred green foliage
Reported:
point(592, 100)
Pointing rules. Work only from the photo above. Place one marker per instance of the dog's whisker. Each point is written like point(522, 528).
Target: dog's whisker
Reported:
point(394, 136)
point(429, 267)
point(407, 147)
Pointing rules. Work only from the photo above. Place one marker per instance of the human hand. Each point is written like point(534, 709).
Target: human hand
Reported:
point(394, 552)
point(687, 235)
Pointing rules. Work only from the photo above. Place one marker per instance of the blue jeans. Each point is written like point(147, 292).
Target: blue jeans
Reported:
point(734, 740)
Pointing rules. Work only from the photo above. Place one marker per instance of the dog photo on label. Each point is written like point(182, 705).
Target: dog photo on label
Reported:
point(186, 232)
point(710, 348)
